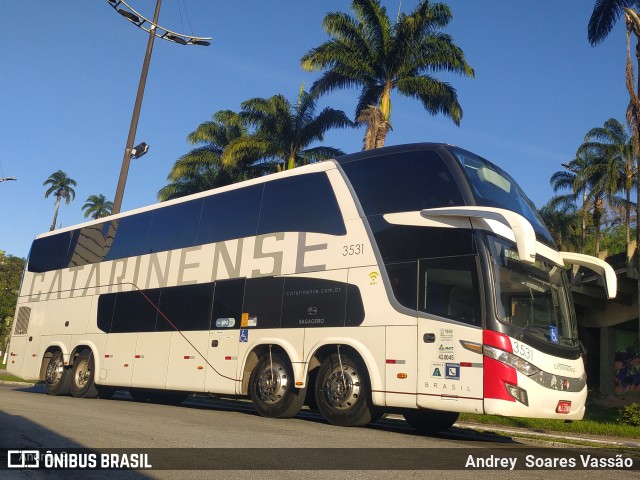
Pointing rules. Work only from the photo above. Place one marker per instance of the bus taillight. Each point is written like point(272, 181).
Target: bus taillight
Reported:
point(564, 406)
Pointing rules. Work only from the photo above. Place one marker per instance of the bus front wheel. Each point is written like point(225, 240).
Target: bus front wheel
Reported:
point(430, 421)
point(343, 393)
point(57, 378)
point(83, 385)
point(272, 388)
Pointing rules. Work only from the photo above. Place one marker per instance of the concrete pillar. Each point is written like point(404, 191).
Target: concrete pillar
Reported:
point(607, 355)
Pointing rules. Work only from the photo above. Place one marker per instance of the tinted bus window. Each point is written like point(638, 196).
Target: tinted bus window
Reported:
point(304, 203)
point(135, 311)
point(449, 288)
point(174, 227)
point(50, 253)
point(230, 215)
point(263, 302)
point(313, 302)
point(402, 182)
point(398, 243)
point(227, 302)
point(130, 236)
point(187, 308)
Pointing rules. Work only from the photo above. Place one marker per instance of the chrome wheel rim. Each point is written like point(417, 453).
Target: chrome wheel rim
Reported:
point(83, 372)
point(272, 383)
point(55, 369)
point(342, 388)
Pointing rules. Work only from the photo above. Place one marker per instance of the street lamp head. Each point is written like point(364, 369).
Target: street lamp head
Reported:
point(139, 150)
point(175, 38)
point(133, 18)
point(194, 41)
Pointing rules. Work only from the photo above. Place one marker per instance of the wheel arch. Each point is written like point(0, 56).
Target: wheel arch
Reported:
point(323, 349)
point(48, 353)
point(86, 346)
point(252, 357)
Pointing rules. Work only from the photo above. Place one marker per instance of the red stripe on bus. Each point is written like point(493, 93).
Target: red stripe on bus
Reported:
point(496, 374)
point(497, 340)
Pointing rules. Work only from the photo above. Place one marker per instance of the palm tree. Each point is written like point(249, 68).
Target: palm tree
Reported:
point(369, 52)
point(97, 206)
point(282, 133)
point(202, 169)
point(565, 180)
point(61, 186)
point(615, 145)
point(562, 220)
point(585, 176)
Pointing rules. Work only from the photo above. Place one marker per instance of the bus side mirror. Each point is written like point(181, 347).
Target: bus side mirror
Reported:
point(599, 266)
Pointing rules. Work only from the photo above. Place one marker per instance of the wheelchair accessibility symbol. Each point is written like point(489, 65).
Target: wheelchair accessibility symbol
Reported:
point(244, 335)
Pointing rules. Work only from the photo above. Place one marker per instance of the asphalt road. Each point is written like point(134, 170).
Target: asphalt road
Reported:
point(235, 436)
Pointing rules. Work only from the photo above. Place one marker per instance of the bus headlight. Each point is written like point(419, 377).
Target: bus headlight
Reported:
point(510, 359)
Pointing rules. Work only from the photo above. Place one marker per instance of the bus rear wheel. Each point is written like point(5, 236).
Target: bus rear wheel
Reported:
point(57, 378)
point(430, 421)
point(272, 388)
point(83, 385)
point(343, 393)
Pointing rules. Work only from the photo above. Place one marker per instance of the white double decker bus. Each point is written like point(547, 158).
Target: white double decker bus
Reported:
point(416, 279)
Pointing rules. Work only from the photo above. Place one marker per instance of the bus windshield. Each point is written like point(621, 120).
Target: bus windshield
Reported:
point(493, 187)
point(532, 298)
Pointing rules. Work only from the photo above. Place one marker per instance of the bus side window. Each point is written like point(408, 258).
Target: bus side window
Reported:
point(130, 236)
point(230, 215)
point(449, 288)
point(136, 311)
point(227, 302)
point(303, 203)
point(174, 227)
point(263, 302)
point(187, 307)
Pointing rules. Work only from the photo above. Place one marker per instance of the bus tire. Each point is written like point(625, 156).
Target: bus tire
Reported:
point(57, 377)
point(343, 393)
point(430, 421)
point(272, 390)
point(82, 385)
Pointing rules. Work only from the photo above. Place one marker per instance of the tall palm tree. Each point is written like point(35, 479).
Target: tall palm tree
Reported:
point(562, 219)
point(371, 53)
point(586, 177)
point(201, 168)
point(97, 206)
point(565, 180)
point(613, 143)
point(282, 132)
point(61, 186)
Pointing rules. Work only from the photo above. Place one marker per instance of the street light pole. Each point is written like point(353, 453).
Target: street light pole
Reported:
point(154, 30)
point(126, 160)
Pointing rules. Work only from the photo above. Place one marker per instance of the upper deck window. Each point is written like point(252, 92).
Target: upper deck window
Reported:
point(493, 187)
point(402, 182)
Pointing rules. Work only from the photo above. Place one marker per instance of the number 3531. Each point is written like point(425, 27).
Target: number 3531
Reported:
point(356, 249)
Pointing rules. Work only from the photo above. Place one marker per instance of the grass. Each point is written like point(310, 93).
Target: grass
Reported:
point(5, 377)
point(598, 420)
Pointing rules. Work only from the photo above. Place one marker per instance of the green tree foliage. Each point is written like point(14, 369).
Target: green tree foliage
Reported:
point(97, 206)
point(370, 52)
point(563, 221)
point(10, 276)
point(282, 133)
point(201, 168)
point(61, 186)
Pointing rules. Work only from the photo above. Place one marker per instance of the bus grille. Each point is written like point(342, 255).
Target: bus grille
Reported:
point(22, 324)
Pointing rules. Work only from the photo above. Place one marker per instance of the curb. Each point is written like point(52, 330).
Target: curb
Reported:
point(549, 435)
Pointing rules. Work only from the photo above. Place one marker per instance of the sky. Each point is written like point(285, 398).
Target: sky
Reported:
point(69, 73)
